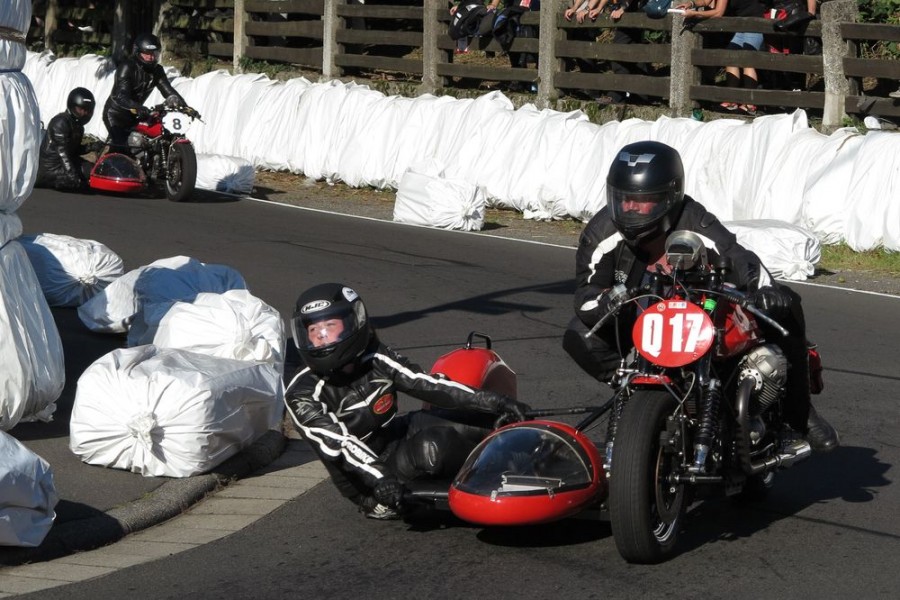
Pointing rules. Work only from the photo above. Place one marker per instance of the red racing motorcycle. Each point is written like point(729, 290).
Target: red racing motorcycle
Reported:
point(159, 156)
point(697, 413)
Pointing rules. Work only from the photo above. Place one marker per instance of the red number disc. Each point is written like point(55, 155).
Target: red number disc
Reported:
point(673, 333)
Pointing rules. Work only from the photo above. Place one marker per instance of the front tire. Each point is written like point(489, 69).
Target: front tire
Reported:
point(645, 508)
point(181, 172)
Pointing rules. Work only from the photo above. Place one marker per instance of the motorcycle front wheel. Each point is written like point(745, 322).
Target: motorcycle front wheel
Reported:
point(645, 507)
point(181, 172)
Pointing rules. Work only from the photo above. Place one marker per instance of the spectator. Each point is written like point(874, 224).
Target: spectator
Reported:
point(462, 44)
point(789, 15)
point(514, 8)
point(579, 11)
point(622, 35)
point(735, 77)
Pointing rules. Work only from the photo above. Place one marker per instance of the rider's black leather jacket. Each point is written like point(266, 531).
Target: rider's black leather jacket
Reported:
point(604, 259)
point(132, 86)
point(61, 148)
point(346, 418)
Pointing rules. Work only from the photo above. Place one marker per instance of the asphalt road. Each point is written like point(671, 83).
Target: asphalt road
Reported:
point(829, 529)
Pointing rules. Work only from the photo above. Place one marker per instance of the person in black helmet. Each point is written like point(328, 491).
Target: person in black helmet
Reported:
point(60, 162)
point(625, 241)
point(136, 78)
point(343, 401)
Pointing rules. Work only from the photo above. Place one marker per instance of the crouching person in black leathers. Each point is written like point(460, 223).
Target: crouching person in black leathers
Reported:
point(344, 403)
point(60, 164)
point(624, 243)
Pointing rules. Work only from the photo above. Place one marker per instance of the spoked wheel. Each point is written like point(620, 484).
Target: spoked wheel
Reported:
point(645, 507)
point(181, 172)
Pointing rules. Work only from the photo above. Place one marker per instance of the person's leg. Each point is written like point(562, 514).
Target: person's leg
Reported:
point(434, 446)
point(597, 355)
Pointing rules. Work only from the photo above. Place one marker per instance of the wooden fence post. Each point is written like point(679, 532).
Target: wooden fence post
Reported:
point(547, 65)
point(240, 35)
point(50, 23)
point(682, 74)
point(834, 49)
point(430, 51)
point(330, 24)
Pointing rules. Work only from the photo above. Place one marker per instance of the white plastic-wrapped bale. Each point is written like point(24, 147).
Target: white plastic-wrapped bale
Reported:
point(32, 371)
point(234, 325)
point(228, 174)
point(425, 197)
point(170, 412)
point(117, 308)
point(29, 495)
point(32, 375)
point(71, 270)
point(788, 251)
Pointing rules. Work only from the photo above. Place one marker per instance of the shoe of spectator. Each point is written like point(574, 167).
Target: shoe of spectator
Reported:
point(461, 51)
point(750, 109)
point(895, 94)
point(729, 106)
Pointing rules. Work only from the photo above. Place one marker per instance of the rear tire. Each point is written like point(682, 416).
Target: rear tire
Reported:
point(181, 172)
point(645, 509)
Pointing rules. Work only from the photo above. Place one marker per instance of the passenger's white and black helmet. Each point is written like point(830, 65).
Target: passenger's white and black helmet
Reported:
point(331, 301)
point(650, 173)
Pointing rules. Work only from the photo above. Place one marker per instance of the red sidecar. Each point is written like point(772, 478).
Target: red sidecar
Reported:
point(115, 172)
point(522, 474)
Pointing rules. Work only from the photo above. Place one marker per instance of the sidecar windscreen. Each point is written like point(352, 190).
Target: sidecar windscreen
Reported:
point(525, 460)
point(531, 472)
point(117, 173)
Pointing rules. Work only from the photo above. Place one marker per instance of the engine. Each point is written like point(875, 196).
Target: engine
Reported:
point(137, 141)
point(767, 366)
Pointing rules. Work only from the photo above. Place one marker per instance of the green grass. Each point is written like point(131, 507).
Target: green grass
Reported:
point(842, 258)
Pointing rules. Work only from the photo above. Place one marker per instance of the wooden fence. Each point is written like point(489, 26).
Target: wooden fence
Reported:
point(677, 68)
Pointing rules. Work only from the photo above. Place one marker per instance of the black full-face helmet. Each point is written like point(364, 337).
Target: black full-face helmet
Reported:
point(330, 327)
point(81, 98)
point(645, 190)
point(146, 50)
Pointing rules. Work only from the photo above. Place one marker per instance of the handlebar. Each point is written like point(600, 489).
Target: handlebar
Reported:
point(161, 109)
point(620, 295)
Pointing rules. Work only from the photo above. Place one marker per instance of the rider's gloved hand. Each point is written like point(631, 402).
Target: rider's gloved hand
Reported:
point(512, 411)
point(173, 101)
point(611, 299)
point(389, 491)
point(774, 300)
point(143, 113)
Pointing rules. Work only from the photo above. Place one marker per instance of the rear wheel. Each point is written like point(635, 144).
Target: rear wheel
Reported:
point(645, 507)
point(181, 172)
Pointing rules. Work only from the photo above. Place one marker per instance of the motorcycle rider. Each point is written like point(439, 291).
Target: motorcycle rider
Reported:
point(343, 401)
point(60, 164)
point(624, 243)
point(136, 78)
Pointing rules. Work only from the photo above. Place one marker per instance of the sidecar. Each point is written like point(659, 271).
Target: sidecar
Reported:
point(529, 473)
point(522, 474)
point(118, 173)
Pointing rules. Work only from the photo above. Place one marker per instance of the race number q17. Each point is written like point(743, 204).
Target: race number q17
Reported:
point(673, 333)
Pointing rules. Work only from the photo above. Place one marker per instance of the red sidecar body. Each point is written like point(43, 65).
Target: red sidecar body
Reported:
point(118, 173)
point(525, 473)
